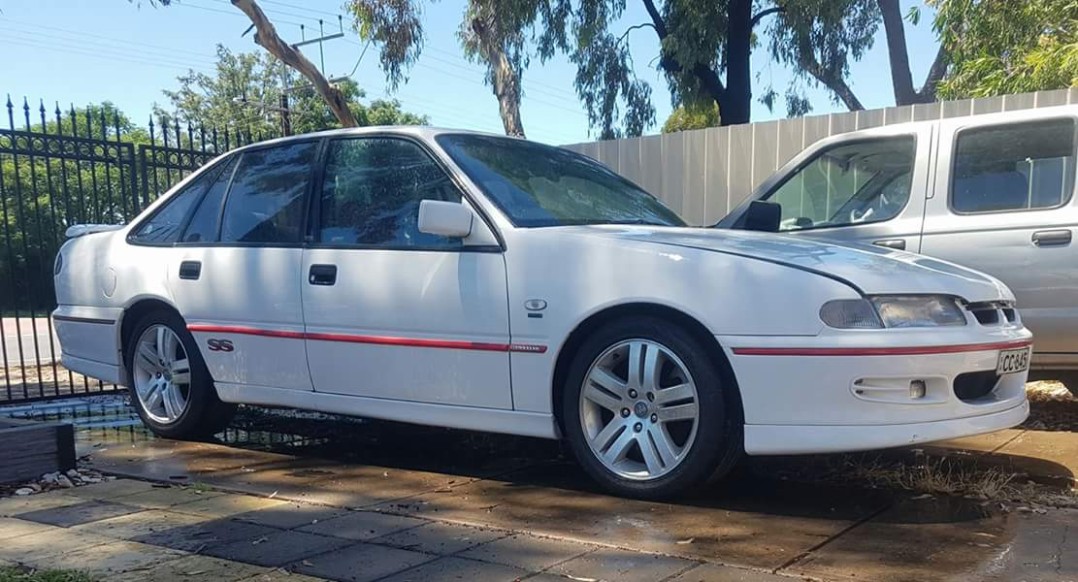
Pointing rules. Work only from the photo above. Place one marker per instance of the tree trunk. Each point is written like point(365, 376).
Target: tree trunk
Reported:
point(266, 37)
point(507, 90)
point(898, 54)
point(736, 105)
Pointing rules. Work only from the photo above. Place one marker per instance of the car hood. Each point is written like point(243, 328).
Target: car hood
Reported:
point(872, 270)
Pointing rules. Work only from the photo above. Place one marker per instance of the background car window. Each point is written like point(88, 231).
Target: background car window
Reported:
point(164, 226)
point(372, 191)
point(863, 182)
point(265, 202)
point(203, 225)
point(1015, 167)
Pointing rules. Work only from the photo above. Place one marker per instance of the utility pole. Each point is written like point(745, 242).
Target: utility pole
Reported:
point(286, 115)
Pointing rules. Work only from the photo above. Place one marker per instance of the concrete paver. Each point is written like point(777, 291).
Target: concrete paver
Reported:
point(219, 506)
point(69, 515)
point(461, 569)
point(11, 527)
point(166, 497)
point(1044, 548)
point(1059, 448)
point(111, 490)
point(623, 566)
point(193, 568)
point(363, 525)
point(204, 535)
point(290, 515)
point(109, 559)
point(440, 538)
point(13, 506)
point(362, 562)
point(276, 549)
point(720, 573)
point(39, 547)
point(916, 539)
point(527, 552)
point(137, 525)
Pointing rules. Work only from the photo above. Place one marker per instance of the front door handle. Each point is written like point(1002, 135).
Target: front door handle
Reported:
point(191, 270)
point(1052, 238)
point(322, 275)
point(893, 243)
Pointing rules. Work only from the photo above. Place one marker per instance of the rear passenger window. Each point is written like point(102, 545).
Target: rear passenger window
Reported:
point(164, 226)
point(203, 225)
point(266, 200)
point(1014, 167)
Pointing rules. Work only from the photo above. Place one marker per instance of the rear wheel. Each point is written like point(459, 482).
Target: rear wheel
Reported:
point(644, 410)
point(171, 388)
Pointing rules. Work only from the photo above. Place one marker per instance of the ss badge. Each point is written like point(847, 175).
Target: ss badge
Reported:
point(220, 345)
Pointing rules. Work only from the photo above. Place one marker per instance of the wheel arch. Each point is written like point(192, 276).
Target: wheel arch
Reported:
point(132, 313)
point(596, 320)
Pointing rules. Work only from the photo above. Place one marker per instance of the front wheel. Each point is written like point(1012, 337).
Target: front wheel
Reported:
point(645, 411)
point(172, 390)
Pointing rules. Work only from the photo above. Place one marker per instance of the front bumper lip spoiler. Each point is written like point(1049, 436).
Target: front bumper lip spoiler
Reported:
point(882, 351)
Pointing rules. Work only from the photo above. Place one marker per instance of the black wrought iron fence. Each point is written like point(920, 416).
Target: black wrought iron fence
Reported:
point(60, 168)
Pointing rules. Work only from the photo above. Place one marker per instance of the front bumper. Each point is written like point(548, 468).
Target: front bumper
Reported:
point(804, 440)
point(805, 395)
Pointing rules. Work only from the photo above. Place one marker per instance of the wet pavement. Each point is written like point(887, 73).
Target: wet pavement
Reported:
point(492, 507)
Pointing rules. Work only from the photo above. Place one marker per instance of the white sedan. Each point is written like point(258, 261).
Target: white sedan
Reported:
point(489, 283)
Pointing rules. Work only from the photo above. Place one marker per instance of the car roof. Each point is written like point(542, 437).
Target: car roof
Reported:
point(420, 131)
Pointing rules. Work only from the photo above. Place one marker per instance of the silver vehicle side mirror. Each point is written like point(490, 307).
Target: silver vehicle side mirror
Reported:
point(451, 219)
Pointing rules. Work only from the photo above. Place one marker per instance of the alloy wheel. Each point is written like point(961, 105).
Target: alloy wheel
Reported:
point(162, 374)
point(639, 409)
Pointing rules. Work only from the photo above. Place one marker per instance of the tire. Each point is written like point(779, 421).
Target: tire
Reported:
point(697, 451)
point(197, 412)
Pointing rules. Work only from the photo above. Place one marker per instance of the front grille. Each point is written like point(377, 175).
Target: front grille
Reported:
point(993, 313)
point(975, 385)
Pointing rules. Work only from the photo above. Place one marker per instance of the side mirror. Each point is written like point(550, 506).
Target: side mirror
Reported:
point(451, 219)
point(762, 216)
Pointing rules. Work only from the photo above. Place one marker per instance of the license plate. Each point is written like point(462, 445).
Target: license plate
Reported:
point(1012, 361)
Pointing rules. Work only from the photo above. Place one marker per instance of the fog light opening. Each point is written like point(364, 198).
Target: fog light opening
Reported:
point(917, 389)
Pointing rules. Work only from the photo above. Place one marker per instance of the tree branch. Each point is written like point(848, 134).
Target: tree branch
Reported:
point(897, 53)
point(835, 83)
point(764, 14)
point(927, 94)
point(266, 37)
point(634, 27)
point(656, 18)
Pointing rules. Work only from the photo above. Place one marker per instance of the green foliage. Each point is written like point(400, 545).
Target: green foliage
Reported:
point(245, 94)
point(396, 27)
point(697, 116)
point(999, 47)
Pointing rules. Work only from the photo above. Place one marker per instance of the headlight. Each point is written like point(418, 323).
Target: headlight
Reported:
point(893, 311)
point(919, 311)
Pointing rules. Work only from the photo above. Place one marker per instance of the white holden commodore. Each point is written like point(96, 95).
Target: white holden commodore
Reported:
point(489, 283)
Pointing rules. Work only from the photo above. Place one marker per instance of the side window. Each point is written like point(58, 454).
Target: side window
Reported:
point(856, 183)
point(164, 226)
point(265, 202)
point(372, 191)
point(1014, 167)
point(203, 225)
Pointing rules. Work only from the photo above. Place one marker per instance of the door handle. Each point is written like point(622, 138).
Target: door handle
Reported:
point(191, 270)
point(1052, 238)
point(893, 243)
point(322, 275)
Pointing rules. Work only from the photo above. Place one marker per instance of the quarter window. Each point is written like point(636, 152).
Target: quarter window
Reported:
point(207, 216)
point(856, 183)
point(265, 202)
point(1015, 167)
point(164, 226)
point(372, 191)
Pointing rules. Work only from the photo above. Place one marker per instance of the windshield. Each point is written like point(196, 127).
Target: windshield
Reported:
point(538, 185)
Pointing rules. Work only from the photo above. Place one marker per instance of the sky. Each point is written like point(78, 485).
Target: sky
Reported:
point(88, 51)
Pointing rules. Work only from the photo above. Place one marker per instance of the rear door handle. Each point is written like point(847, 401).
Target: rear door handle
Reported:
point(322, 275)
point(1052, 238)
point(894, 243)
point(191, 270)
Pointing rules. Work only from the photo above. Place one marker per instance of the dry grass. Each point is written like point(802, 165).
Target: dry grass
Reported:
point(50, 380)
point(936, 476)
